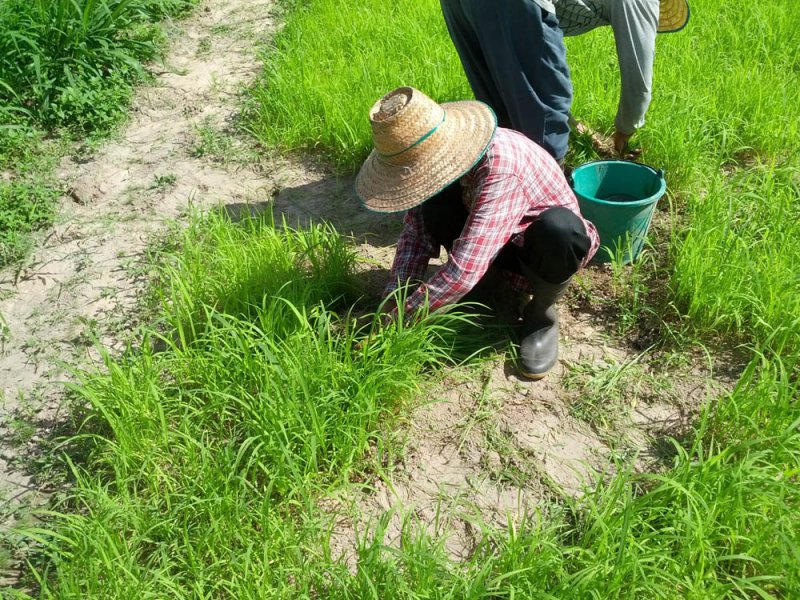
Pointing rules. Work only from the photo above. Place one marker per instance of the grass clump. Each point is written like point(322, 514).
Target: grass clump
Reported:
point(28, 190)
point(736, 267)
point(72, 62)
point(214, 441)
point(24, 208)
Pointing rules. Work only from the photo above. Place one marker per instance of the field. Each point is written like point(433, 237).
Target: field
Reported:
point(258, 434)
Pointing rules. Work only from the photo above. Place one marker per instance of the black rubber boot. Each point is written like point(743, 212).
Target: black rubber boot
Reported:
point(538, 348)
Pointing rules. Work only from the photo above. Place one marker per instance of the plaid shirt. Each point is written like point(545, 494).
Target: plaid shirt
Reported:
point(505, 192)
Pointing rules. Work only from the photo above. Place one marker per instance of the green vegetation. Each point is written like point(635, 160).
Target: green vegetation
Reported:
point(26, 204)
point(724, 127)
point(315, 95)
point(213, 445)
point(71, 63)
point(736, 264)
point(607, 391)
point(213, 143)
point(66, 67)
point(249, 402)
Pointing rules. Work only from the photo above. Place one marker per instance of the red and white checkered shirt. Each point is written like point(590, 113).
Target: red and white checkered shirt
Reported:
point(505, 192)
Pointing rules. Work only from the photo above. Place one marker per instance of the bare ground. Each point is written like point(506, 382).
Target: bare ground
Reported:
point(484, 445)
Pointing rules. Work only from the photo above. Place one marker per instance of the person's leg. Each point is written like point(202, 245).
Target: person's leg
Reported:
point(555, 91)
point(465, 39)
point(523, 56)
point(555, 245)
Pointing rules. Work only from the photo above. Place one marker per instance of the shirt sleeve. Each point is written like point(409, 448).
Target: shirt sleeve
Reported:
point(415, 248)
point(486, 232)
point(635, 23)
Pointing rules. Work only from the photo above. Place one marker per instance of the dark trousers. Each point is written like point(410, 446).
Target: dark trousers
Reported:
point(514, 57)
point(554, 247)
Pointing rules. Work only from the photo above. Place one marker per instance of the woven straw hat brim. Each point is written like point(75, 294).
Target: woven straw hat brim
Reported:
point(673, 15)
point(436, 162)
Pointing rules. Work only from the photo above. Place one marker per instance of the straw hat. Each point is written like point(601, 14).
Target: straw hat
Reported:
point(673, 15)
point(421, 147)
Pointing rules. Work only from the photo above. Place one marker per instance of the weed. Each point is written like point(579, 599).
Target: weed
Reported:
point(605, 392)
point(5, 334)
point(315, 96)
point(630, 286)
point(164, 182)
point(73, 62)
point(736, 266)
point(24, 207)
point(212, 143)
point(204, 46)
point(279, 396)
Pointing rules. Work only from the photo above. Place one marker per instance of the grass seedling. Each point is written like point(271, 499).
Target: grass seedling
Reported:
point(164, 182)
point(604, 394)
point(212, 143)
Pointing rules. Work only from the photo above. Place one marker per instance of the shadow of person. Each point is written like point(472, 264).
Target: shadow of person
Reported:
point(329, 199)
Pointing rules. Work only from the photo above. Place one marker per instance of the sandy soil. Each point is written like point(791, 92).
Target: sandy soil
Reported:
point(486, 444)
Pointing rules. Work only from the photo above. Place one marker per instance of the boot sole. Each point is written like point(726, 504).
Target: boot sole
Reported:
point(533, 376)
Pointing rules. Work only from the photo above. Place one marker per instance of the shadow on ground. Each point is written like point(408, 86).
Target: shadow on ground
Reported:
point(330, 199)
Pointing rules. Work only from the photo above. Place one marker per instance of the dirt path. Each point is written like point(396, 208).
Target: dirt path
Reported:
point(80, 280)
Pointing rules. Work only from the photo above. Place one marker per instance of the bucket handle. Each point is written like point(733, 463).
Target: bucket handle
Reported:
point(658, 172)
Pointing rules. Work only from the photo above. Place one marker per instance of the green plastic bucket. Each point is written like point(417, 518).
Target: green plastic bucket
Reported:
point(619, 197)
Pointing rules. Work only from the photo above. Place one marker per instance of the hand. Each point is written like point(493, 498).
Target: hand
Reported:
point(608, 146)
point(602, 144)
point(621, 146)
point(621, 141)
point(381, 320)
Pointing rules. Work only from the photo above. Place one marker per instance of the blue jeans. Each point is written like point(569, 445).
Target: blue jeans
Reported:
point(514, 57)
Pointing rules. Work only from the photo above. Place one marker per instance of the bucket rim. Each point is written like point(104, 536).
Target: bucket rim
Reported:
point(643, 202)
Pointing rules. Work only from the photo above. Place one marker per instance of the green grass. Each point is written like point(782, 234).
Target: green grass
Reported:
point(605, 393)
point(212, 443)
point(719, 524)
point(247, 404)
point(736, 268)
point(67, 71)
point(72, 62)
point(314, 95)
point(212, 446)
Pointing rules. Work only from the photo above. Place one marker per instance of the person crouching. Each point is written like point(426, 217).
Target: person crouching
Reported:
point(490, 196)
